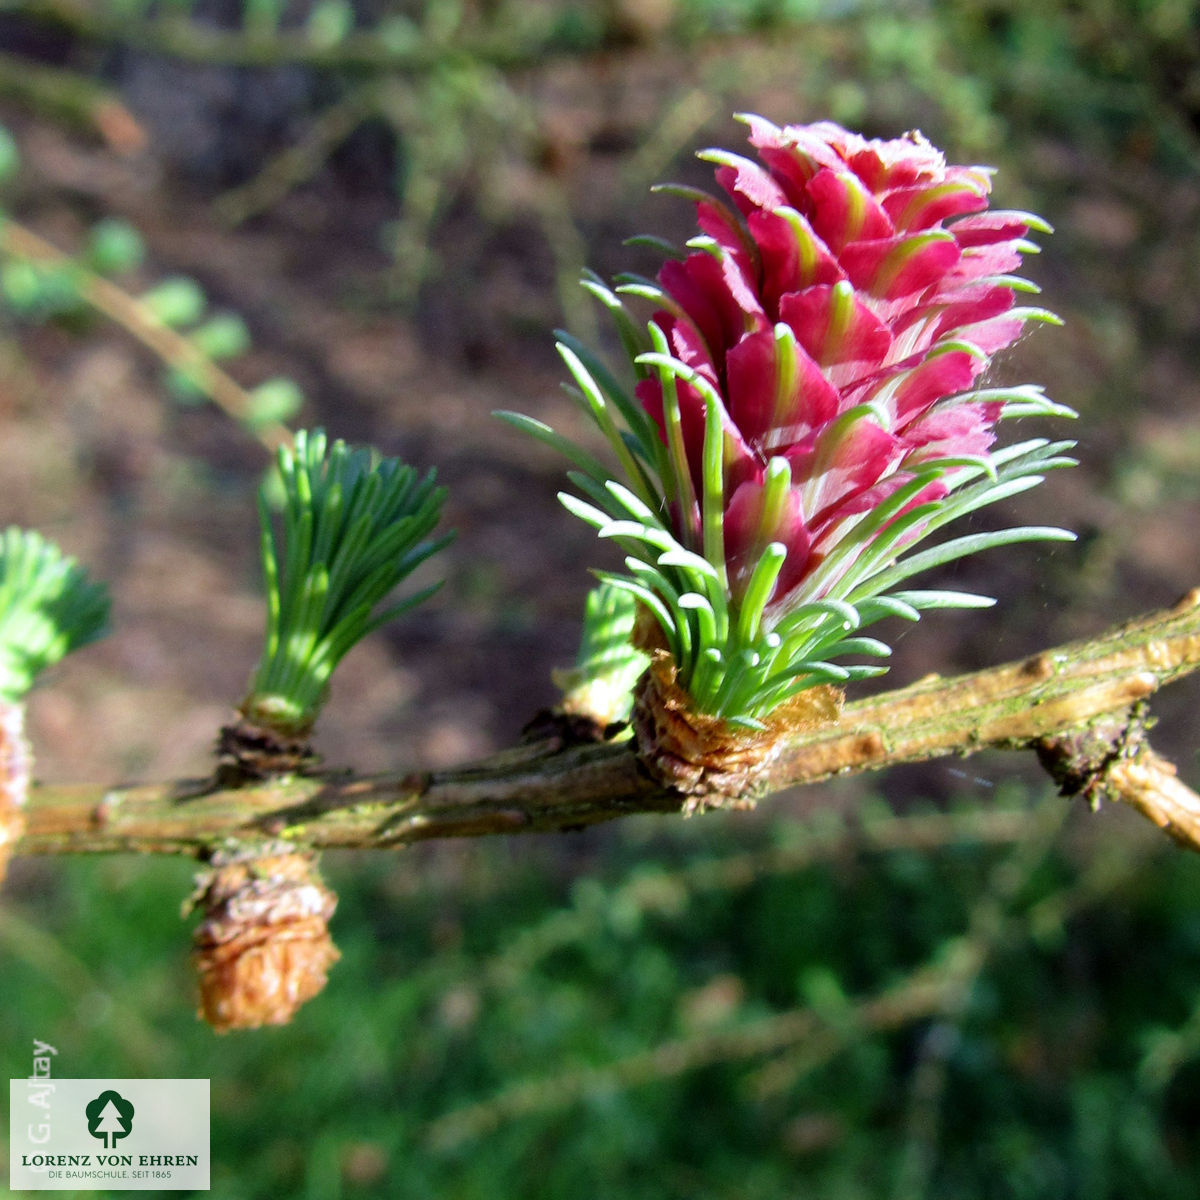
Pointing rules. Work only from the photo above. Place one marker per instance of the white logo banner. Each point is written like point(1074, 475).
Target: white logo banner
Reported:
point(108, 1134)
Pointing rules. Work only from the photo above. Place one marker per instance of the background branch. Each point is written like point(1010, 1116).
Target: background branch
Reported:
point(547, 786)
point(173, 348)
point(179, 37)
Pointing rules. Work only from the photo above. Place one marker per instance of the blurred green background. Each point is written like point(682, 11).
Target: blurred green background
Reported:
point(943, 982)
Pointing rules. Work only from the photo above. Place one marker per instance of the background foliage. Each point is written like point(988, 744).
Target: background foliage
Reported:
point(386, 205)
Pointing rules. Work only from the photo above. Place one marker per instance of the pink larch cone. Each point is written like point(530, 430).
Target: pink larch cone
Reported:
point(841, 304)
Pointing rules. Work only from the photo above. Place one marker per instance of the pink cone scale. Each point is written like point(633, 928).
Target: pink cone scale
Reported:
point(807, 406)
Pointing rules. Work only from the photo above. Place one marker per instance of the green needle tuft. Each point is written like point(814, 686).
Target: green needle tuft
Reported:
point(600, 685)
point(353, 527)
point(48, 607)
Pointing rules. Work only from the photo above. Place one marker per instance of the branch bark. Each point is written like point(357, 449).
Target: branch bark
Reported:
point(1094, 685)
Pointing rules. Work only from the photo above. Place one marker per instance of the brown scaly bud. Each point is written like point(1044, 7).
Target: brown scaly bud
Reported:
point(713, 763)
point(263, 947)
point(1110, 758)
point(249, 750)
point(15, 764)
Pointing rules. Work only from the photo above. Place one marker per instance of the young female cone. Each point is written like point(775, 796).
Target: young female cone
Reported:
point(807, 409)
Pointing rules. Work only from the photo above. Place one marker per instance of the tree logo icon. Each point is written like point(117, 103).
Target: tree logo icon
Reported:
point(109, 1117)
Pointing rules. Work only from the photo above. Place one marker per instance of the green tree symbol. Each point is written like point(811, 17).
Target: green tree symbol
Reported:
point(109, 1117)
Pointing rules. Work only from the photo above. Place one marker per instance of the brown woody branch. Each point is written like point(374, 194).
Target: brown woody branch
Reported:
point(1079, 705)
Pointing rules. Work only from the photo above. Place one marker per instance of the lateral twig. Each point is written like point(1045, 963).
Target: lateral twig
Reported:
point(299, 162)
point(173, 348)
